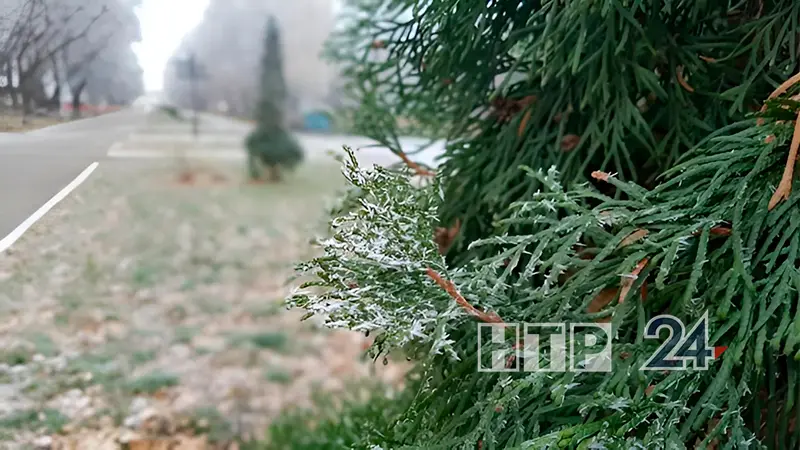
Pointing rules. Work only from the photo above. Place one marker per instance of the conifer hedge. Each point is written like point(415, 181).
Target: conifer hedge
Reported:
point(607, 161)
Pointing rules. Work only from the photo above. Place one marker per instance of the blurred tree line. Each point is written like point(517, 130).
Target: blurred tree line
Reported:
point(68, 51)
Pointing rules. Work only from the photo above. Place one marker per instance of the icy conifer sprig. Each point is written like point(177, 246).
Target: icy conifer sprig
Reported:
point(372, 276)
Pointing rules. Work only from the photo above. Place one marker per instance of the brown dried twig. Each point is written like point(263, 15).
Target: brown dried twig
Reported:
point(450, 288)
point(682, 80)
point(523, 123)
point(418, 169)
point(785, 186)
point(627, 281)
point(780, 91)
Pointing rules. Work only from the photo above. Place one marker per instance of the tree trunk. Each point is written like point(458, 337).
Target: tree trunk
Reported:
point(11, 89)
point(38, 94)
point(273, 174)
point(55, 99)
point(76, 99)
point(27, 102)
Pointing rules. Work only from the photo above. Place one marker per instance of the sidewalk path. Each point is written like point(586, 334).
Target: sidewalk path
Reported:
point(222, 138)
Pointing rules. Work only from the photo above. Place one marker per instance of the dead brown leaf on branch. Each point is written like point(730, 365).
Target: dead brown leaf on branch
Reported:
point(606, 296)
point(682, 80)
point(785, 186)
point(444, 237)
point(569, 142)
point(504, 109)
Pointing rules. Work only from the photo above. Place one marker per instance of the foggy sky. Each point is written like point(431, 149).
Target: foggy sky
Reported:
point(229, 43)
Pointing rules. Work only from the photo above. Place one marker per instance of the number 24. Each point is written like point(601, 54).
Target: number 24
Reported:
point(677, 350)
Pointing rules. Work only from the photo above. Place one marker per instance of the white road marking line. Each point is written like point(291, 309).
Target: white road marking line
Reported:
point(7, 241)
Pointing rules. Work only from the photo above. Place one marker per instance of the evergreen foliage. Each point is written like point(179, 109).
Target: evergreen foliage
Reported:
point(270, 146)
point(341, 417)
point(620, 86)
point(619, 174)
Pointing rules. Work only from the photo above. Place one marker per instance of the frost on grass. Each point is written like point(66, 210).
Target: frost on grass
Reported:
point(371, 276)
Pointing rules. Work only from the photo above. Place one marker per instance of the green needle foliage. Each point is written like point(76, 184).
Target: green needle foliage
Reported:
point(582, 85)
point(270, 146)
point(632, 181)
point(711, 244)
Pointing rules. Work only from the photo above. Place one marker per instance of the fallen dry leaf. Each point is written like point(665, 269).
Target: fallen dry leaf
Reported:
point(569, 142)
point(627, 281)
point(151, 444)
point(602, 300)
point(192, 443)
point(633, 237)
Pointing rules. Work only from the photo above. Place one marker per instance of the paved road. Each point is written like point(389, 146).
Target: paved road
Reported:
point(36, 165)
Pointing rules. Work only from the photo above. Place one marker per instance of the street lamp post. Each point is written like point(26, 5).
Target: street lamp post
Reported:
point(193, 88)
point(190, 70)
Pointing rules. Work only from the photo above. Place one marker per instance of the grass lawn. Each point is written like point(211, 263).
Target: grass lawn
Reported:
point(143, 305)
point(10, 123)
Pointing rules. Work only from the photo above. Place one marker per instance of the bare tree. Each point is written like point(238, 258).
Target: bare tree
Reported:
point(115, 76)
point(47, 29)
point(67, 41)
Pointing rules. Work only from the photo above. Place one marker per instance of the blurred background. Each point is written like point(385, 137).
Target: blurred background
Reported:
point(228, 42)
point(71, 57)
point(145, 306)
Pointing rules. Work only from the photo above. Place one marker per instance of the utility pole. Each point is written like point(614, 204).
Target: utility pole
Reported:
point(193, 87)
point(190, 70)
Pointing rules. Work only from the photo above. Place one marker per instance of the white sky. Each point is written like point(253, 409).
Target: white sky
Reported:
point(164, 23)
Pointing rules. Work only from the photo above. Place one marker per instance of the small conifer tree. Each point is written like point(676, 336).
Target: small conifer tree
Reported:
point(270, 147)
